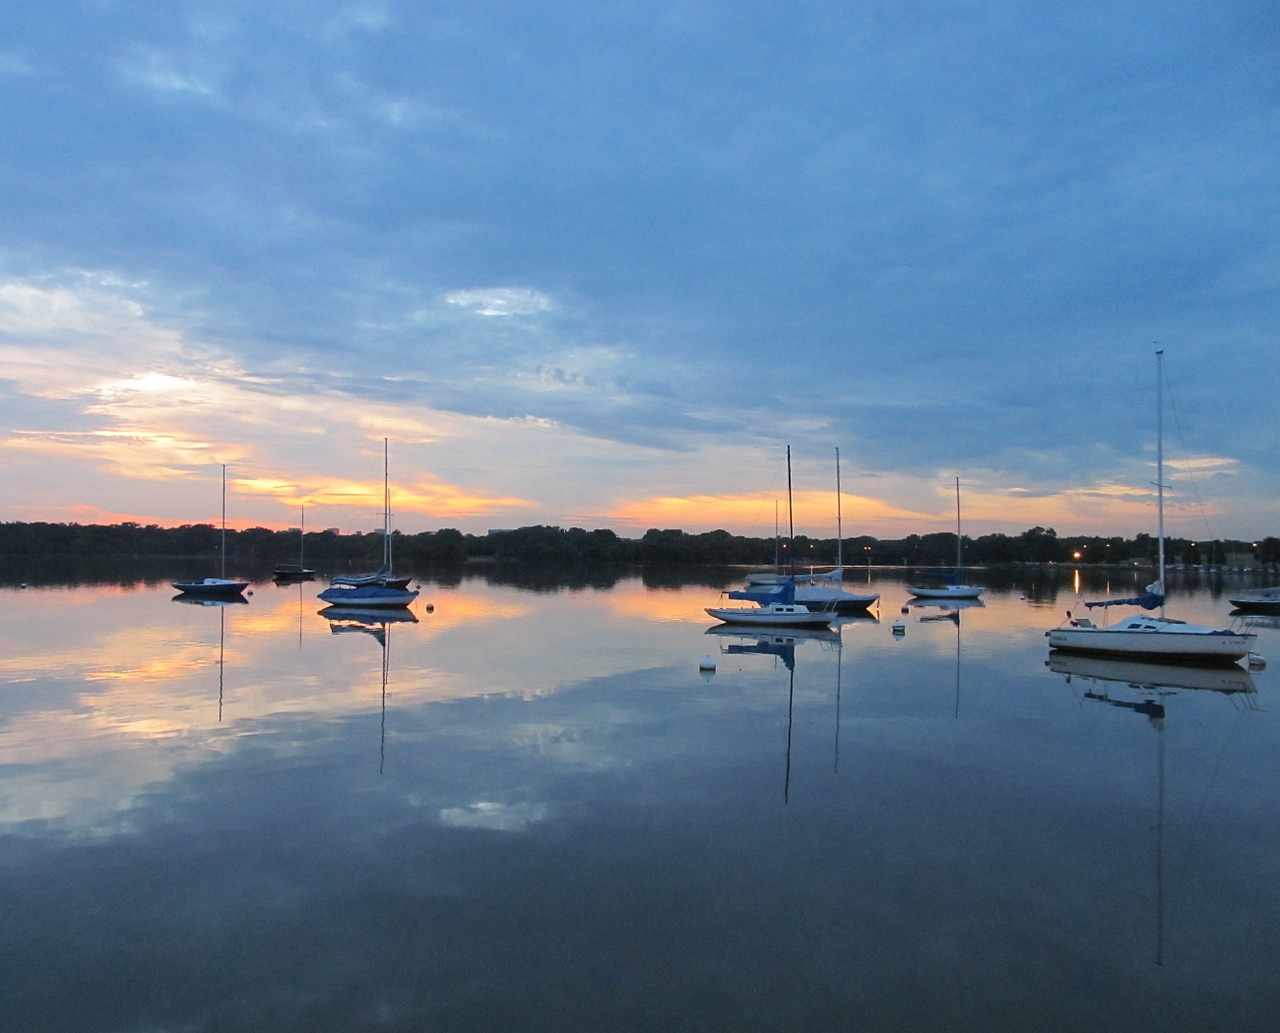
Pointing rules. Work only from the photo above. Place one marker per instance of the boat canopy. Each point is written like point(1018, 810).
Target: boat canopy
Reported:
point(1151, 599)
point(783, 593)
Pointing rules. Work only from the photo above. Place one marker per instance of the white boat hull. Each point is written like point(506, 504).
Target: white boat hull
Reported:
point(781, 614)
point(1154, 638)
point(368, 596)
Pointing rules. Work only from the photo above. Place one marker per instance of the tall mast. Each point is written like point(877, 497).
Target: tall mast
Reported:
point(1160, 476)
point(224, 521)
point(839, 525)
point(959, 563)
point(386, 509)
point(791, 517)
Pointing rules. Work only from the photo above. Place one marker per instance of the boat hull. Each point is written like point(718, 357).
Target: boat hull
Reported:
point(833, 599)
point(776, 616)
point(369, 595)
point(1265, 600)
point(1184, 646)
point(944, 591)
point(211, 586)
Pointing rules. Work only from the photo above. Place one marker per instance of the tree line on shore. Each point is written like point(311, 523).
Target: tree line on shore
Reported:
point(260, 546)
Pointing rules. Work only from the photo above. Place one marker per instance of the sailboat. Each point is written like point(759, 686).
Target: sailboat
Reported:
point(1142, 637)
point(826, 591)
point(296, 571)
point(775, 604)
point(380, 588)
point(221, 585)
point(954, 589)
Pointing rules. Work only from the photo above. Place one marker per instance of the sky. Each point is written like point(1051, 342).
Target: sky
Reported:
point(600, 263)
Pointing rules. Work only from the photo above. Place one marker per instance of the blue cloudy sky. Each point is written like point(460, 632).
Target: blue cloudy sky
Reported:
point(597, 264)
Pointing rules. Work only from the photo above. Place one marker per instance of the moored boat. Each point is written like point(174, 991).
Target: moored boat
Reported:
point(1143, 637)
point(1258, 600)
point(948, 586)
point(368, 595)
point(221, 585)
point(381, 588)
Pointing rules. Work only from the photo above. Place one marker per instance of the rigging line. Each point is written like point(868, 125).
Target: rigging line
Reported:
point(1188, 469)
point(756, 520)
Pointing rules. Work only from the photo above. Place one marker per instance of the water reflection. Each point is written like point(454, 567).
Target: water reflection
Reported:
point(376, 622)
point(782, 644)
point(1145, 689)
point(570, 829)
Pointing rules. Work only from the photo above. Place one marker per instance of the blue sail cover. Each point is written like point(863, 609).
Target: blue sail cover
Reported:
point(1151, 599)
point(784, 592)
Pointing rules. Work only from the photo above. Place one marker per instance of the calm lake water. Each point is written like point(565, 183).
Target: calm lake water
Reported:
point(529, 810)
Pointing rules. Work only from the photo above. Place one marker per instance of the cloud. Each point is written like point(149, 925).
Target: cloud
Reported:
point(941, 237)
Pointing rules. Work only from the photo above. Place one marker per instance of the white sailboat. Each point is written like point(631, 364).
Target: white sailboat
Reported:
point(949, 589)
point(380, 589)
point(1143, 637)
point(774, 604)
point(827, 591)
point(221, 585)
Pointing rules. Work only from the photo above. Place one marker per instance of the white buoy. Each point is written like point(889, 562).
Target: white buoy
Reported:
point(899, 628)
point(706, 664)
point(1257, 662)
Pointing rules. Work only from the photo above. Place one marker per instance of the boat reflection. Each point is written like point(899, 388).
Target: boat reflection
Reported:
point(210, 600)
point(934, 610)
point(1141, 676)
point(1143, 688)
point(377, 623)
point(770, 642)
point(782, 644)
point(371, 621)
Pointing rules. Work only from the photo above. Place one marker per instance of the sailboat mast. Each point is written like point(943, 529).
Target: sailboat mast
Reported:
point(223, 574)
point(839, 525)
point(1160, 475)
point(791, 516)
point(959, 563)
point(386, 508)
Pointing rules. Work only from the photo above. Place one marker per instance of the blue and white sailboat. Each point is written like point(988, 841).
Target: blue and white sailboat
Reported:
point(380, 589)
point(950, 586)
point(1143, 637)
